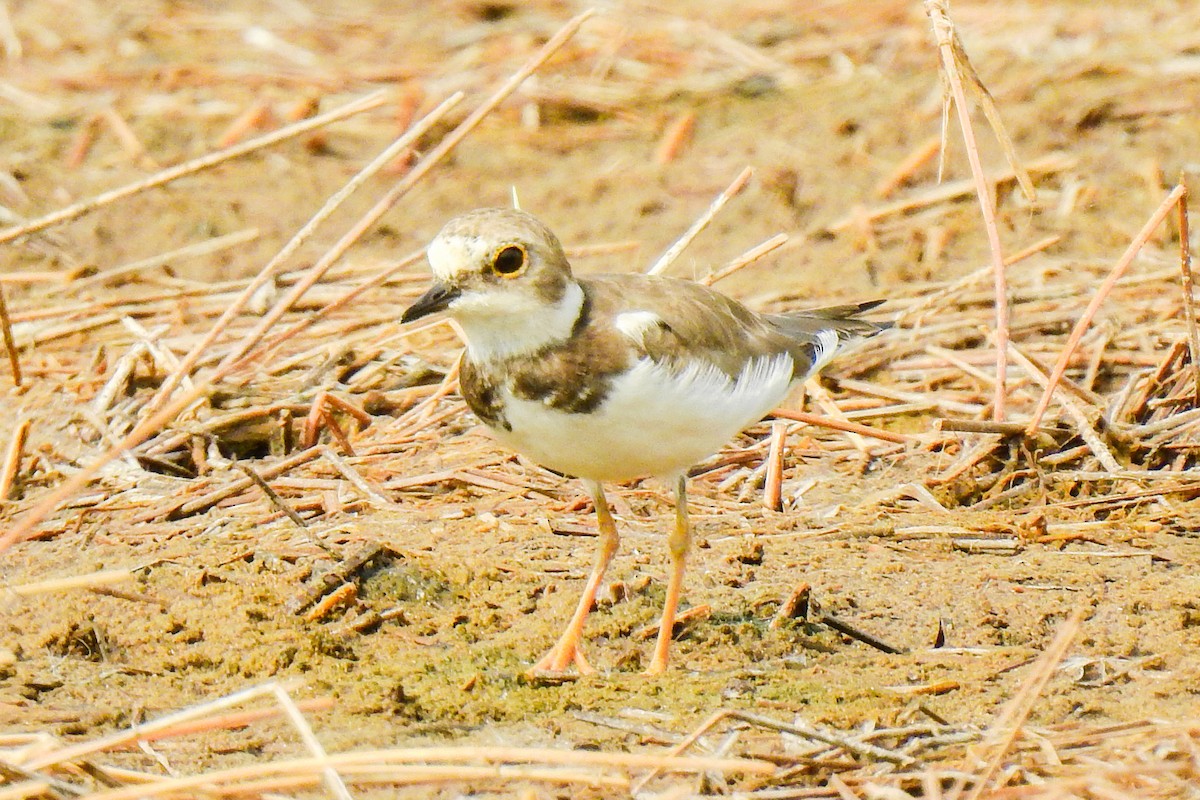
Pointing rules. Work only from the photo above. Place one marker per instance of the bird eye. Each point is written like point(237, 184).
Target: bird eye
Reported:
point(509, 261)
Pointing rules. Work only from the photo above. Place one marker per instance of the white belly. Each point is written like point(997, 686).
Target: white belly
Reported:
point(653, 422)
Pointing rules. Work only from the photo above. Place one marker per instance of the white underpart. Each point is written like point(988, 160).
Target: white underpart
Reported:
point(636, 324)
point(826, 348)
point(500, 324)
point(654, 421)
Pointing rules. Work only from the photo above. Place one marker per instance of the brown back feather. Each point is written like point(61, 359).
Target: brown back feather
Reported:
point(717, 328)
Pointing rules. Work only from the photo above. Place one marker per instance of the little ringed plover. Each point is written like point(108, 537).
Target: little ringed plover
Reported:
point(613, 377)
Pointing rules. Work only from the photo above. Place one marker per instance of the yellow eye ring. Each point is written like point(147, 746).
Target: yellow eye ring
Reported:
point(509, 261)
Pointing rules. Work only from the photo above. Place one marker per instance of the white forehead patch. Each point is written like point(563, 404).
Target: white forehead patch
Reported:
point(453, 256)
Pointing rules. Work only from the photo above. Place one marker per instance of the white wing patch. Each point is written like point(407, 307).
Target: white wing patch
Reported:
point(824, 349)
point(636, 324)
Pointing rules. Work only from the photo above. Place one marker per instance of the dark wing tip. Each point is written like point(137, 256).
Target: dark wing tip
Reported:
point(844, 317)
point(867, 305)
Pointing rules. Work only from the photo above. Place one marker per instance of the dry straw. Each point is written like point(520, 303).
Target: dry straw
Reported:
point(1093, 420)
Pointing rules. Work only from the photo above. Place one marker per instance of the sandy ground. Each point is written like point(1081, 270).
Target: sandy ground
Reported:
point(477, 575)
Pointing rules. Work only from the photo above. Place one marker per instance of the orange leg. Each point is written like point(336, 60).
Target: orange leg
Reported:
point(678, 543)
point(567, 650)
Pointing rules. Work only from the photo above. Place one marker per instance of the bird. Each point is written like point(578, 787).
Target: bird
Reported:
point(612, 377)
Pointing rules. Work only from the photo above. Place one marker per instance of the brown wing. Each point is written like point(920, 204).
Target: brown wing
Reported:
point(718, 329)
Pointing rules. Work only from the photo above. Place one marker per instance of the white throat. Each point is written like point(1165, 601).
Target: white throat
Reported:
point(501, 326)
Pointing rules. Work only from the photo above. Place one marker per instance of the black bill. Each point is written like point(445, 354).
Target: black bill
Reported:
point(436, 299)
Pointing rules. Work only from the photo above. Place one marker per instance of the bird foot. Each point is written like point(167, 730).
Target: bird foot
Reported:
point(560, 657)
point(656, 668)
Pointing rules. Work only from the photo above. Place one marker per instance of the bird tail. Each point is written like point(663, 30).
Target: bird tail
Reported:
point(822, 333)
point(842, 319)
